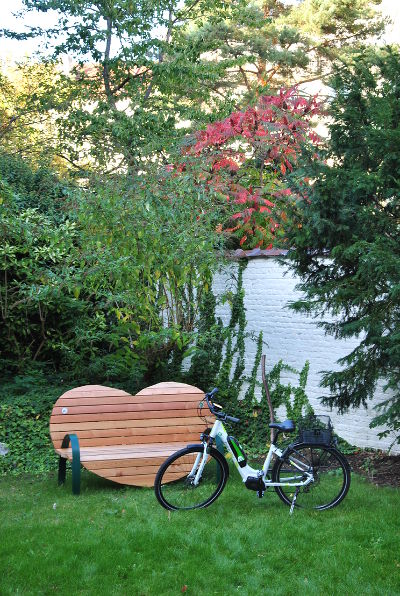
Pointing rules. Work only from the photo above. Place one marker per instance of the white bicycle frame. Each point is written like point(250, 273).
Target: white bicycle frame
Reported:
point(218, 431)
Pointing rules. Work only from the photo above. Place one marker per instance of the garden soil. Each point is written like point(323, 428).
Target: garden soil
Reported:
point(380, 468)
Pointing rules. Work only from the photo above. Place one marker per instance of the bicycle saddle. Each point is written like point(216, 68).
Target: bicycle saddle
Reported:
point(287, 426)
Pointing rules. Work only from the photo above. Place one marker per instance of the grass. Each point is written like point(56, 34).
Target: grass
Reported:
point(119, 541)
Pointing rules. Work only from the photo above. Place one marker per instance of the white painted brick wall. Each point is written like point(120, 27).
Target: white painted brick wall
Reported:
point(295, 338)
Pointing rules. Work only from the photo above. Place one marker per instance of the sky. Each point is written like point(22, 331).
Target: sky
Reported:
point(16, 50)
point(12, 49)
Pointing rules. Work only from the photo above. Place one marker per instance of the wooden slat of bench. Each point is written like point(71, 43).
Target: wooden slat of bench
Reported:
point(135, 440)
point(150, 468)
point(88, 453)
point(142, 415)
point(138, 432)
point(171, 384)
point(126, 406)
point(92, 391)
point(128, 399)
point(144, 481)
point(132, 470)
point(153, 422)
point(133, 432)
point(162, 389)
point(104, 464)
point(169, 390)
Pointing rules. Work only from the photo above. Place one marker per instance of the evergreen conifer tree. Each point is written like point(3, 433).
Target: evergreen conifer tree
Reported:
point(347, 240)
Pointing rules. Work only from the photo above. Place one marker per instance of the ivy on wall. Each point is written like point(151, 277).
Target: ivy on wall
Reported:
point(219, 361)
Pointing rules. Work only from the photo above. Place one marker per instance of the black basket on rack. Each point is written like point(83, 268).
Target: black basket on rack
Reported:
point(315, 429)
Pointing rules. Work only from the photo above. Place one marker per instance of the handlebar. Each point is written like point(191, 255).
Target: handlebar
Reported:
point(218, 414)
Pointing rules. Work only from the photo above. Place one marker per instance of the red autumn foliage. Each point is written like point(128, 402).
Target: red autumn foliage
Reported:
point(247, 157)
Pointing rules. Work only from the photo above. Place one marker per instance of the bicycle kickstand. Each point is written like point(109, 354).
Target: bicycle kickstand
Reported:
point(294, 500)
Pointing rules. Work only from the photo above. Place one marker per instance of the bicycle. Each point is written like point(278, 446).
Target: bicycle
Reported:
point(310, 473)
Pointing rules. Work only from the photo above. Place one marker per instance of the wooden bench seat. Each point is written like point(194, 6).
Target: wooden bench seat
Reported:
point(125, 438)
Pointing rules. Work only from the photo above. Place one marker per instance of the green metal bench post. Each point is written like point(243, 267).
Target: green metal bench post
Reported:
point(76, 463)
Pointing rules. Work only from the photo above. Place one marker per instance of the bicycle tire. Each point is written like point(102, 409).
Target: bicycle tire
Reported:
point(175, 490)
point(332, 476)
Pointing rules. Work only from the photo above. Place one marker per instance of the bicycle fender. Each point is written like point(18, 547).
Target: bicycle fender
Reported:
point(195, 445)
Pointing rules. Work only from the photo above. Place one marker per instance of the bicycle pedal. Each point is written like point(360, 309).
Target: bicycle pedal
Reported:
point(260, 494)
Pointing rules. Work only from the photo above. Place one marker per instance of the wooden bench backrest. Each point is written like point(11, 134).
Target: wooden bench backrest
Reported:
point(100, 416)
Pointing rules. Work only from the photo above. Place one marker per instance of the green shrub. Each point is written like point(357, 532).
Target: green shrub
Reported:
point(35, 187)
point(39, 306)
point(25, 407)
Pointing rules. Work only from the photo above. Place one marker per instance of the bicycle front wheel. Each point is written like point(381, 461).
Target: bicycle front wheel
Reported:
point(188, 479)
point(330, 471)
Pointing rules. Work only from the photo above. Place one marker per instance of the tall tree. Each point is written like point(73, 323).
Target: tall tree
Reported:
point(134, 75)
point(278, 43)
point(142, 67)
point(353, 212)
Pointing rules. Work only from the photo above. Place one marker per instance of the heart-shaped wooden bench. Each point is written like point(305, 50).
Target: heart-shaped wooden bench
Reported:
point(122, 437)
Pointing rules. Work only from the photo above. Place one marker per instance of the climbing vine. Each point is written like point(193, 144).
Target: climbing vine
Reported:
point(219, 361)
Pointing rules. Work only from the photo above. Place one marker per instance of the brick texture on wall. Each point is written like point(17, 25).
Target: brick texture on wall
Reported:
point(295, 338)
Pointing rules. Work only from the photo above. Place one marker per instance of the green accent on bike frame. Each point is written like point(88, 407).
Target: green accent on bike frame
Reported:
point(239, 453)
point(76, 463)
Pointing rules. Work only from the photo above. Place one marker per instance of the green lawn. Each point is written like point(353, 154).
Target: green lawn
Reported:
point(113, 540)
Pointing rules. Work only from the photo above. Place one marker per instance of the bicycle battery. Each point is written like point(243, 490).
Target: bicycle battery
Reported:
point(238, 451)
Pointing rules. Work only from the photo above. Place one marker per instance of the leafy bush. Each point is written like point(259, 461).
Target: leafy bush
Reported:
point(37, 266)
point(112, 292)
point(25, 407)
point(37, 187)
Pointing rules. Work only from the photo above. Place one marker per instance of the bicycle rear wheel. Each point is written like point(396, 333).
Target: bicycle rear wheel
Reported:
point(331, 473)
point(175, 485)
